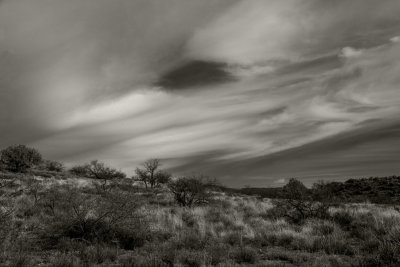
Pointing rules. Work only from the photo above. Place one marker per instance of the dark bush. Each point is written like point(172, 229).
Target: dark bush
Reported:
point(191, 258)
point(191, 240)
point(217, 253)
point(370, 246)
point(299, 203)
point(388, 254)
point(163, 177)
point(332, 245)
point(53, 166)
point(245, 255)
point(98, 253)
point(188, 219)
point(80, 170)
point(147, 260)
point(129, 238)
point(188, 191)
point(323, 229)
point(110, 218)
point(98, 170)
point(19, 158)
point(343, 218)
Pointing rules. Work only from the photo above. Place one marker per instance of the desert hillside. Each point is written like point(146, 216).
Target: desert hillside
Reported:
point(57, 219)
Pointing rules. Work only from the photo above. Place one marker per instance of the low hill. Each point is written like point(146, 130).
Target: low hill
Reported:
point(383, 190)
point(49, 219)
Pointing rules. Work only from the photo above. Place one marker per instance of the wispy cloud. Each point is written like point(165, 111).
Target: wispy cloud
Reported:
point(203, 85)
point(256, 31)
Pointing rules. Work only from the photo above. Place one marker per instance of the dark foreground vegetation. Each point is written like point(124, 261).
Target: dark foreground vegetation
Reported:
point(92, 215)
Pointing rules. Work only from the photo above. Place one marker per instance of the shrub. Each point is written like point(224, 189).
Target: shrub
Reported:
point(5, 222)
point(343, 218)
point(163, 177)
point(191, 240)
point(130, 239)
point(98, 170)
point(80, 170)
point(151, 175)
point(245, 255)
point(332, 245)
point(53, 166)
point(388, 254)
point(19, 158)
point(64, 260)
point(218, 215)
point(6, 182)
point(147, 174)
point(191, 258)
point(234, 238)
point(217, 253)
point(323, 228)
point(370, 246)
point(110, 219)
point(20, 259)
point(188, 191)
point(298, 203)
point(188, 218)
point(147, 260)
point(98, 254)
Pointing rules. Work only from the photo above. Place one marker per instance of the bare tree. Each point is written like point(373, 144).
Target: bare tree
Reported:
point(151, 167)
point(189, 190)
point(98, 170)
point(108, 218)
point(299, 203)
point(150, 173)
point(142, 176)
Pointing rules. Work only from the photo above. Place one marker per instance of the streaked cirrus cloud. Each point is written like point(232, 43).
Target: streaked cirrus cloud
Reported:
point(250, 91)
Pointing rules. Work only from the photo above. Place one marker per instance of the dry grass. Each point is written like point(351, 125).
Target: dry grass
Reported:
point(228, 231)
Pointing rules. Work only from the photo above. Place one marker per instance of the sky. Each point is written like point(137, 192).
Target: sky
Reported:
point(250, 92)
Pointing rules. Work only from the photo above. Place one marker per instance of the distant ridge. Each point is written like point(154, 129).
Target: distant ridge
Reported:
point(380, 190)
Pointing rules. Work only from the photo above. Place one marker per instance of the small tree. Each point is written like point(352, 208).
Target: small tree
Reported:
point(151, 175)
point(54, 166)
point(323, 193)
point(80, 170)
point(163, 177)
point(188, 190)
point(295, 189)
point(107, 219)
point(142, 176)
point(151, 167)
point(300, 203)
point(19, 158)
point(98, 170)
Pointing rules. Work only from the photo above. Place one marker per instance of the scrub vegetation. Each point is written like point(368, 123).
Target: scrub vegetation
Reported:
point(93, 215)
